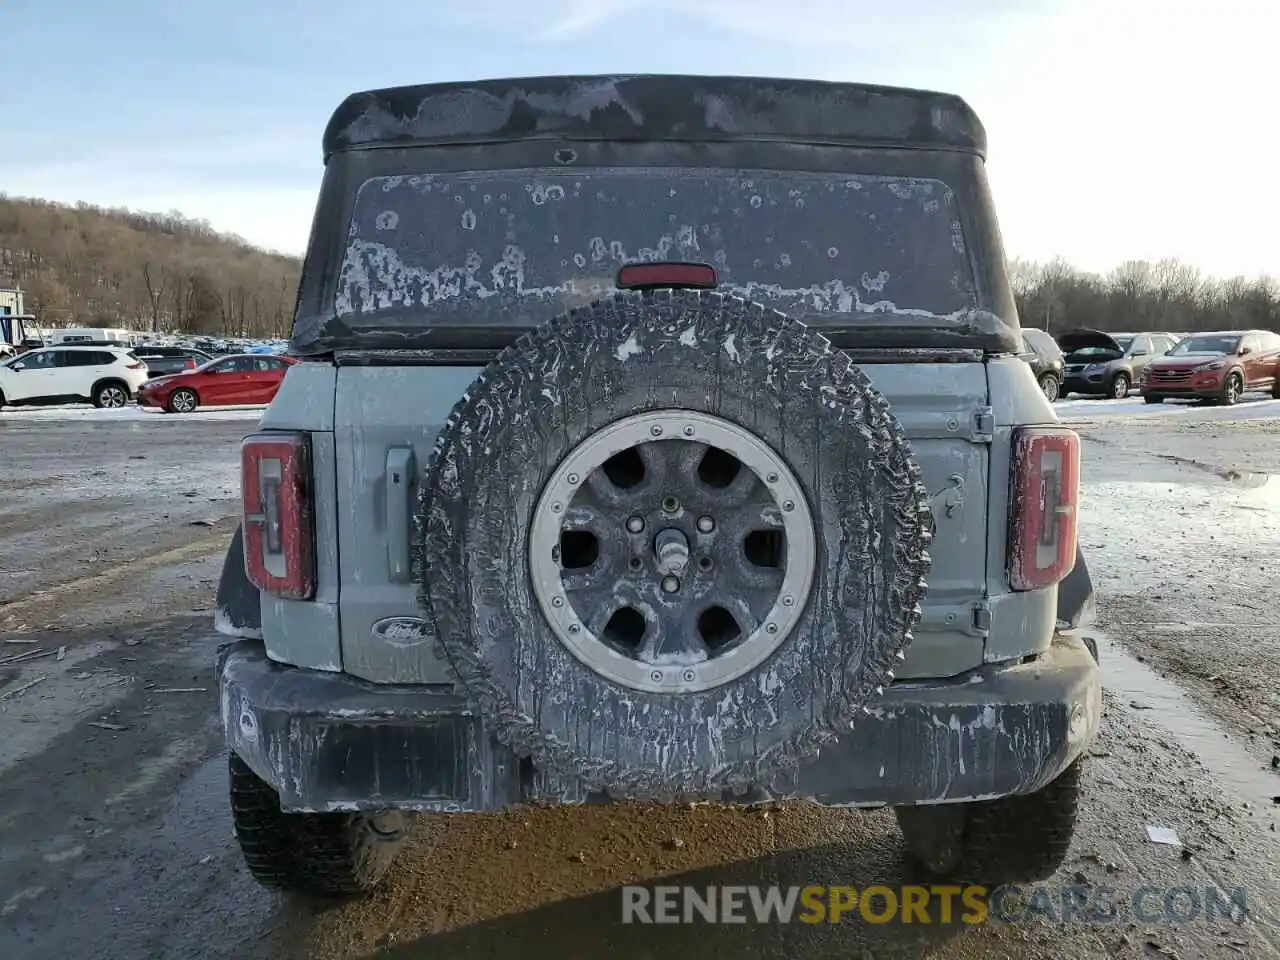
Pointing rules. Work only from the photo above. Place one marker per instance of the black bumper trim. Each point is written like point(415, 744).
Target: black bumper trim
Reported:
point(328, 741)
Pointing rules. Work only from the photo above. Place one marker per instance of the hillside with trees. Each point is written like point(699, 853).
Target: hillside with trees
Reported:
point(87, 266)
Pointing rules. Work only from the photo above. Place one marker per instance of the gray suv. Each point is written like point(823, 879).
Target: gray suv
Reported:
point(635, 414)
point(1102, 364)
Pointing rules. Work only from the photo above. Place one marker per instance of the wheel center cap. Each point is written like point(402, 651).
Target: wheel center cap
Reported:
point(672, 551)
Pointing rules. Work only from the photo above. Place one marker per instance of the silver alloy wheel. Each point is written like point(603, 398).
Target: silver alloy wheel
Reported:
point(1049, 384)
point(112, 396)
point(672, 551)
point(184, 401)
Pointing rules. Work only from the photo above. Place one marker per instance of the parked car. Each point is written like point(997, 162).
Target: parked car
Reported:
point(1216, 367)
point(162, 361)
point(244, 379)
point(1109, 364)
point(543, 519)
point(104, 376)
point(1045, 357)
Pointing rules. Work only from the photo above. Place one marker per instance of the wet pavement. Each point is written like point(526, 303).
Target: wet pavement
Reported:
point(115, 839)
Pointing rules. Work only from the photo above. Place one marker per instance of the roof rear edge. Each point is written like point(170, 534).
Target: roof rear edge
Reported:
point(654, 107)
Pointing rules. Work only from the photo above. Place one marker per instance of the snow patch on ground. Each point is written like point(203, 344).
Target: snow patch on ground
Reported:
point(1250, 408)
point(130, 413)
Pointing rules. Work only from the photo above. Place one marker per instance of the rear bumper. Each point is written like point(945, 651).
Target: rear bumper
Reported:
point(327, 741)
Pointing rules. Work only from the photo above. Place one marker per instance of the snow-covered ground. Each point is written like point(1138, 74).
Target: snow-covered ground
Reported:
point(85, 412)
point(1252, 407)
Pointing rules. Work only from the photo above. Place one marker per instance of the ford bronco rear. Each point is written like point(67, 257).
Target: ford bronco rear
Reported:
point(635, 414)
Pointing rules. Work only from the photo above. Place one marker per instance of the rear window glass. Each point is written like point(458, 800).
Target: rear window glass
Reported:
point(518, 247)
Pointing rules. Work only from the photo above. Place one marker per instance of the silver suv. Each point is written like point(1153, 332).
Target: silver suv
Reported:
point(635, 414)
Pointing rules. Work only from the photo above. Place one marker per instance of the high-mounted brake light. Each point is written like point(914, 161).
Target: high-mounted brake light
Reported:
point(279, 532)
point(674, 275)
point(1044, 506)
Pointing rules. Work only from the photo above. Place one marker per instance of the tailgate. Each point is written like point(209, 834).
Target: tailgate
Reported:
point(386, 421)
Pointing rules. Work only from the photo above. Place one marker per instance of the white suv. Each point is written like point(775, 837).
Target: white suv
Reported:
point(103, 376)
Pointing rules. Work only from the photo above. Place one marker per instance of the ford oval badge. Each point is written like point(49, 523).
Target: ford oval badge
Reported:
point(401, 631)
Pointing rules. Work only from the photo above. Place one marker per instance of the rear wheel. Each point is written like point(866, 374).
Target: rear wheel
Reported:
point(110, 395)
point(1019, 839)
point(183, 401)
point(1119, 386)
point(330, 854)
point(1051, 387)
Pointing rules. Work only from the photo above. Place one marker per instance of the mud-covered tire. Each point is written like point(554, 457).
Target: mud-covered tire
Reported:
point(691, 351)
point(1018, 839)
point(323, 854)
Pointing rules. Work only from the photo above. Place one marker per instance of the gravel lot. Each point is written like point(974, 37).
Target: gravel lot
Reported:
point(115, 841)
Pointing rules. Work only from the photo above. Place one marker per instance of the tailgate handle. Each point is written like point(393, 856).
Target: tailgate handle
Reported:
point(400, 475)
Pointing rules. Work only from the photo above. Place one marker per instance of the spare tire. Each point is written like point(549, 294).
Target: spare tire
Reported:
point(671, 543)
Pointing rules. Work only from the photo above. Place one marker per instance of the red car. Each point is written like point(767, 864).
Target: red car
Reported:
point(1216, 367)
point(228, 381)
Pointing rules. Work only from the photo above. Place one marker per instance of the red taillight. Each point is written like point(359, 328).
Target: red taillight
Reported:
point(275, 477)
point(1043, 515)
point(639, 276)
point(136, 366)
point(189, 365)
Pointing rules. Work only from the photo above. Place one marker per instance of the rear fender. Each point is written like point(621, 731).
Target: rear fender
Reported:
point(238, 610)
point(1075, 595)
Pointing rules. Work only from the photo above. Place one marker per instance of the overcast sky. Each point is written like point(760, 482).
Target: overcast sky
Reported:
point(1119, 129)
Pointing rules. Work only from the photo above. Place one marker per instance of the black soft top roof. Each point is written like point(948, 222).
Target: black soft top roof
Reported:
point(654, 107)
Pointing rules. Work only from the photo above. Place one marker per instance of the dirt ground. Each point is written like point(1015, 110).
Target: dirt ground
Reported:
point(115, 840)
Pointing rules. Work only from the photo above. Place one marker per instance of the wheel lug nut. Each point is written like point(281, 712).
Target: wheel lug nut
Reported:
point(771, 478)
point(788, 505)
point(688, 676)
point(635, 524)
point(670, 584)
point(635, 563)
point(557, 601)
point(656, 430)
point(670, 504)
point(706, 524)
point(573, 478)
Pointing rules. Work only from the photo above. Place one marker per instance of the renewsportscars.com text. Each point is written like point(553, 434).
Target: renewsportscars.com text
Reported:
point(934, 904)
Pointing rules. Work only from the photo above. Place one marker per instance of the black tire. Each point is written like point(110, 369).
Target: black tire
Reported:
point(111, 394)
point(1232, 387)
point(1019, 839)
point(717, 355)
point(183, 400)
point(324, 854)
point(1118, 388)
point(1147, 398)
point(1051, 386)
